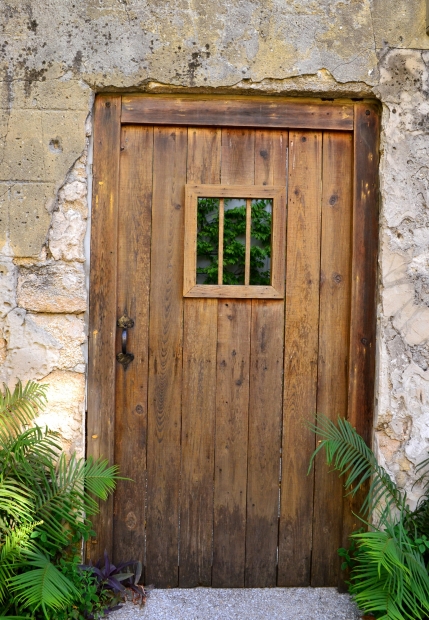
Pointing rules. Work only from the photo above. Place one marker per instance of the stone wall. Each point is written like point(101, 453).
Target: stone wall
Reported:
point(56, 54)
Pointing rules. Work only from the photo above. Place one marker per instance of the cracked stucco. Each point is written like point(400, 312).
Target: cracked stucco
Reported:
point(55, 54)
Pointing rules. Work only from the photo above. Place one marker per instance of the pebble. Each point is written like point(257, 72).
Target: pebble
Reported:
point(242, 604)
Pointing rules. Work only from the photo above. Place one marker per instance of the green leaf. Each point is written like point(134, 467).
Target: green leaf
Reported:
point(42, 586)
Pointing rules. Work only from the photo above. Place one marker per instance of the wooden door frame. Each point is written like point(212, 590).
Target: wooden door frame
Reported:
point(113, 110)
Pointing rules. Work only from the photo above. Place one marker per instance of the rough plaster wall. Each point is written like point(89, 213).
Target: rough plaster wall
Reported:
point(54, 54)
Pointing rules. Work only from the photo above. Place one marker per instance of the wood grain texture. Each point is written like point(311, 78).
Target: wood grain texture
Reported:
point(278, 196)
point(266, 397)
point(364, 285)
point(102, 313)
point(235, 291)
point(134, 229)
point(199, 396)
point(332, 383)
point(301, 356)
point(236, 112)
point(165, 356)
point(232, 399)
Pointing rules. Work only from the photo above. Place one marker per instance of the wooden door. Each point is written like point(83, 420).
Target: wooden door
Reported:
point(210, 418)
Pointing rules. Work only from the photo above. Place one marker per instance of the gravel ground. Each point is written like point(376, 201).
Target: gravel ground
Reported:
point(246, 604)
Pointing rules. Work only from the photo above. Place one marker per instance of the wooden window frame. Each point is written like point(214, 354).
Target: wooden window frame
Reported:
point(111, 110)
point(278, 242)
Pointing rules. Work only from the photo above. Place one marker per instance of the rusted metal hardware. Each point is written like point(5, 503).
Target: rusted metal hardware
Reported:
point(125, 358)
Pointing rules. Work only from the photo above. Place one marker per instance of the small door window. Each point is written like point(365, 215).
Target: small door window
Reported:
point(234, 241)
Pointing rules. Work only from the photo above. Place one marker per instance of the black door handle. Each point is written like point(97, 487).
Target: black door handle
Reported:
point(124, 358)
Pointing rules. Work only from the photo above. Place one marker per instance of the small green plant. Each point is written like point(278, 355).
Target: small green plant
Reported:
point(233, 241)
point(46, 500)
point(388, 562)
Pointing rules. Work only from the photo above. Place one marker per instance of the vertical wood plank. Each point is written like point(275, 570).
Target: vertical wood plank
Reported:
point(232, 398)
point(134, 229)
point(232, 403)
point(165, 355)
point(334, 325)
point(199, 396)
point(301, 355)
point(364, 280)
point(266, 396)
point(102, 303)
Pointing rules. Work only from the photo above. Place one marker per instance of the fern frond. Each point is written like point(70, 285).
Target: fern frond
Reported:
point(20, 407)
point(348, 453)
point(15, 500)
point(11, 549)
point(23, 456)
point(43, 585)
point(62, 494)
point(390, 575)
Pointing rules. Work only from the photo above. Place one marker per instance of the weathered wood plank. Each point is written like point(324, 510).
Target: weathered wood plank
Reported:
point(165, 356)
point(334, 327)
point(301, 355)
point(232, 403)
point(364, 280)
point(232, 398)
point(199, 396)
point(235, 111)
point(134, 229)
point(102, 312)
point(266, 397)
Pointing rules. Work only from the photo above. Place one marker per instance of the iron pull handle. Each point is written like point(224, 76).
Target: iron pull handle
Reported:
point(124, 358)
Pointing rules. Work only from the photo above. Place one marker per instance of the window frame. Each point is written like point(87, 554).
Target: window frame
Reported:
point(278, 242)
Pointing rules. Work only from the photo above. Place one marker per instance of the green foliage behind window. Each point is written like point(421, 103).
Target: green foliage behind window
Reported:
point(234, 242)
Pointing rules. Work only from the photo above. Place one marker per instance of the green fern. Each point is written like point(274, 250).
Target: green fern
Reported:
point(44, 586)
point(350, 456)
point(45, 501)
point(389, 575)
point(20, 407)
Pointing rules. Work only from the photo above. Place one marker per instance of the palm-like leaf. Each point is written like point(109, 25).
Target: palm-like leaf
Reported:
point(22, 456)
point(42, 586)
point(41, 490)
point(15, 501)
point(10, 552)
point(62, 497)
point(20, 407)
point(390, 575)
point(348, 453)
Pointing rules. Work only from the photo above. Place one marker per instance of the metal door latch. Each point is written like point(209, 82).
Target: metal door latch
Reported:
point(124, 358)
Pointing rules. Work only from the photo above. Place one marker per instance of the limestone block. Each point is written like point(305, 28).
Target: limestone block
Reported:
point(396, 297)
point(394, 264)
point(74, 194)
point(31, 352)
point(400, 23)
point(65, 408)
point(66, 235)
point(3, 348)
point(28, 217)
point(413, 323)
point(63, 141)
point(8, 281)
point(68, 330)
point(387, 446)
point(4, 213)
point(59, 91)
point(55, 287)
point(23, 148)
point(416, 399)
